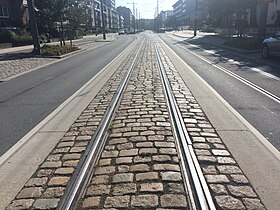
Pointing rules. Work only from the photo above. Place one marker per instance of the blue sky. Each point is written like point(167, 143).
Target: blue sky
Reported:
point(147, 7)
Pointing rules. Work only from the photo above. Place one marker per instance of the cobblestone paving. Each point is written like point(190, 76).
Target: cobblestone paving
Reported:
point(17, 66)
point(139, 168)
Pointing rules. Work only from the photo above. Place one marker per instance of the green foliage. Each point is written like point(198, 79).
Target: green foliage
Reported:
point(171, 21)
point(7, 36)
point(18, 38)
point(56, 50)
point(76, 13)
point(244, 43)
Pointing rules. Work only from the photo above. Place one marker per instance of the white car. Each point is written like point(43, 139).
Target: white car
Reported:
point(271, 46)
point(121, 32)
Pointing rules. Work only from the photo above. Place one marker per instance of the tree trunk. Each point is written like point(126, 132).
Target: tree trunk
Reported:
point(33, 26)
point(263, 20)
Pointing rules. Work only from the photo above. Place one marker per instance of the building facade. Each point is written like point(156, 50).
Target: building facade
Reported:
point(11, 13)
point(185, 12)
point(111, 15)
point(128, 21)
point(14, 14)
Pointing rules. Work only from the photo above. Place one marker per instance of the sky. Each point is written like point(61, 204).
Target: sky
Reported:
point(146, 8)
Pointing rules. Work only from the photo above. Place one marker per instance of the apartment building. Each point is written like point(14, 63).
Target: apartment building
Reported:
point(11, 13)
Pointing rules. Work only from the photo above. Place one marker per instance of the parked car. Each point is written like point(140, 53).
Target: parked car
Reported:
point(271, 46)
point(121, 32)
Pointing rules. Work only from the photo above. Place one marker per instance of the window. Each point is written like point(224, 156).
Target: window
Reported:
point(4, 12)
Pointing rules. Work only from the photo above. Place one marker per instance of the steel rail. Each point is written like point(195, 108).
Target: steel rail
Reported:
point(197, 188)
point(76, 187)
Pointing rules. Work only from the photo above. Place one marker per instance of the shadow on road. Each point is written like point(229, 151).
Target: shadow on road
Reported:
point(223, 54)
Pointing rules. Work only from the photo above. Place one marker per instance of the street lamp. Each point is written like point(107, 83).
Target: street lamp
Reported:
point(195, 18)
point(133, 14)
point(103, 21)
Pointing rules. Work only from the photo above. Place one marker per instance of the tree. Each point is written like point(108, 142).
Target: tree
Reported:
point(263, 20)
point(51, 12)
point(33, 26)
point(171, 21)
point(228, 8)
point(58, 11)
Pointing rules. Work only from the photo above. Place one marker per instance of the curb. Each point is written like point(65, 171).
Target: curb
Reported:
point(61, 56)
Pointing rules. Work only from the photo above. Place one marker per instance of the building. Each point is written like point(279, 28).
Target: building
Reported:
point(128, 21)
point(273, 16)
point(185, 12)
point(112, 18)
point(110, 3)
point(11, 14)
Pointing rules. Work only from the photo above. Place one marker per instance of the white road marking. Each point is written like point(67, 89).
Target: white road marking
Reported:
point(265, 74)
point(210, 51)
point(237, 62)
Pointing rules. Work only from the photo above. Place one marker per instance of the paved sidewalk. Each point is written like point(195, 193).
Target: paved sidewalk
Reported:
point(14, 61)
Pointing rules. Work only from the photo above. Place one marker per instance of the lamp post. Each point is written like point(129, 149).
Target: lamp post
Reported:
point(195, 18)
point(103, 21)
point(133, 15)
point(94, 16)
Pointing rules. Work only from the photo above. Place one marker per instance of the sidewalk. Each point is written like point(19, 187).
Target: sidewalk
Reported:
point(15, 62)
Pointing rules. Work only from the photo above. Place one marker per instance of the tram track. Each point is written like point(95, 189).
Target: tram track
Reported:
point(83, 173)
point(196, 187)
point(200, 197)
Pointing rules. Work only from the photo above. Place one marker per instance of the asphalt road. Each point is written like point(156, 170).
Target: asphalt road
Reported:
point(259, 110)
point(28, 99)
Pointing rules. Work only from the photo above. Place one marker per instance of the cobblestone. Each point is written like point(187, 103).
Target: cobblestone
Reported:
point(173, 200)
point(145, 201)
point(229, 202)
point(33, 192)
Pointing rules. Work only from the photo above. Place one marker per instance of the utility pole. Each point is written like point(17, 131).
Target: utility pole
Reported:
point(94, 16)
point(195, 18)
point(136, 19)
point(133, 15)
point(103, 21)
point(157, 17)
point(33, 26)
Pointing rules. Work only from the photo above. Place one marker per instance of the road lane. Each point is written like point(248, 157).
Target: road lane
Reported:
point(28, 99)
point(262, 112)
